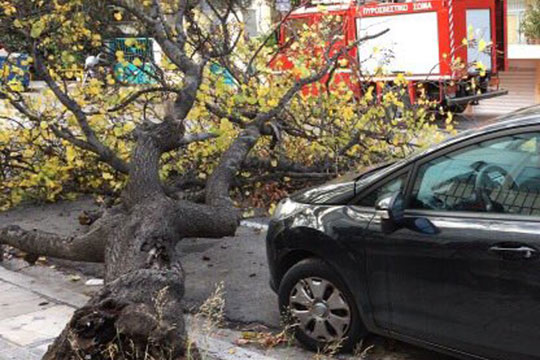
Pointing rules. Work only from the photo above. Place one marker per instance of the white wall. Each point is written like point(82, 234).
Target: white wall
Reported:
point(258, 18)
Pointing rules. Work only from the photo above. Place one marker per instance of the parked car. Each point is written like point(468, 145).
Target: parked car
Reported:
point(441, 249)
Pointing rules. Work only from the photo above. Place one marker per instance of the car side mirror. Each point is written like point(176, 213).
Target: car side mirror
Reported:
point(390, 209)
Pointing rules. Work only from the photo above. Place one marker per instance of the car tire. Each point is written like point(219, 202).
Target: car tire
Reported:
point(336, 304)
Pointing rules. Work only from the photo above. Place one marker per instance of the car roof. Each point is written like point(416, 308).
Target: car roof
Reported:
point(523, 117)
point(520, 118)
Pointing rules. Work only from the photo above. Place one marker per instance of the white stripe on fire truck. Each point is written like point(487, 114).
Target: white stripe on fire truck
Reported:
point(452, 37)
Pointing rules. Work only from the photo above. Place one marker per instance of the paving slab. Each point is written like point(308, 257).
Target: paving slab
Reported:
point(39, 326)
point(46, 286)
point(5, 345)
point(15, 301)
point(19, 354)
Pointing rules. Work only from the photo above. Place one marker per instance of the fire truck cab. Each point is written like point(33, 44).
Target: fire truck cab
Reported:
point(426, 40)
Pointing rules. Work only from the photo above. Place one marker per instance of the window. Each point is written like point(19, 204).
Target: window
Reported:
point(500, 176)
point(393, 186)
point(516, 13)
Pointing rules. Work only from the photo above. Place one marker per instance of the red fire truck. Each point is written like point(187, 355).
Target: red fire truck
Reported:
point(426, 39)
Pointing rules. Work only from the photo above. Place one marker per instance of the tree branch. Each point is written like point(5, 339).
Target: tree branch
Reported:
point(105, 154)
point(89, 247)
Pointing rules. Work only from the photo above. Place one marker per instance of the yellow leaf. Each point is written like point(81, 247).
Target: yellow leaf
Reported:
point(273, 103)
point(449, 118)
point(70, 154)
point(137, 62)
point(482, 45)
point(120, 55)
point(118, 16)
point(130, 42)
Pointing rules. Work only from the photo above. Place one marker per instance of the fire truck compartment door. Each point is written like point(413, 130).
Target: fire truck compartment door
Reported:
point(411, 45)
point(479, 26)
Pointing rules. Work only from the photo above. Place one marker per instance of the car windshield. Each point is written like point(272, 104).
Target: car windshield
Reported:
point(390, 166)
point(373, 169)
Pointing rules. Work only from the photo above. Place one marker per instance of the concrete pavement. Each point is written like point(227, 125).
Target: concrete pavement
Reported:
point(32, 314)
point(37, 302)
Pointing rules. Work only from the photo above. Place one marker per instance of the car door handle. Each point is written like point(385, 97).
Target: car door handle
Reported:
point(527, 252)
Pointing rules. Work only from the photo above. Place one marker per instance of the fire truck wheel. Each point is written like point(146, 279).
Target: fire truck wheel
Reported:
point(457, 108)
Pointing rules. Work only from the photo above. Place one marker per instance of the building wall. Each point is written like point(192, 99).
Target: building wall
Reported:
point(258, 18)
point(537, 80)
point(522, 79)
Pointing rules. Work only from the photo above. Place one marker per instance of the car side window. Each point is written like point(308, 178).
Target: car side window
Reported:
point(392, 186)
point(497, 176)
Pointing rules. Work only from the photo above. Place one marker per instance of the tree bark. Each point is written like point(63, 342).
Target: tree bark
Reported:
point(219, 183)
point(137, 316)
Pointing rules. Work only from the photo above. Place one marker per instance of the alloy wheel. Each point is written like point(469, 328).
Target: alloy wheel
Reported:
point(320, 309)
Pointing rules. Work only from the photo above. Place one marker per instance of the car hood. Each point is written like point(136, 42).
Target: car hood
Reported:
point(340, 190)
point(328, 194)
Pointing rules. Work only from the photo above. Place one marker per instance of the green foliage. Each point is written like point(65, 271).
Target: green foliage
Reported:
point(36, 165)
point(531, 23)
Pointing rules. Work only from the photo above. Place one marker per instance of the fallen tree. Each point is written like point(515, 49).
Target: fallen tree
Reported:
point(151, 144)
point(139, 310)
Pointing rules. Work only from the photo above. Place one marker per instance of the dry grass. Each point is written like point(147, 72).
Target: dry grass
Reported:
point(208, 319)
point(213, 309)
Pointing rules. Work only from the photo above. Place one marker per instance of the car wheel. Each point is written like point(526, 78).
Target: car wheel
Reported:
point(321, 306)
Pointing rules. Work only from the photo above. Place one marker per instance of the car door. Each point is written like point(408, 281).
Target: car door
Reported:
point(377, 265)
point(474, 284)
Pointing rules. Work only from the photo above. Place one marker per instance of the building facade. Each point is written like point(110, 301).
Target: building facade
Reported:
point(258, 17)
point(522, 79)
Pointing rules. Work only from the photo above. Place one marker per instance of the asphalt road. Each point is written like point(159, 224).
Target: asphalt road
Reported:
point(240, 263)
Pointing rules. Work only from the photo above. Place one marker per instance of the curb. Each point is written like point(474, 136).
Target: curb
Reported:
point(252, 224)
point(223, 350)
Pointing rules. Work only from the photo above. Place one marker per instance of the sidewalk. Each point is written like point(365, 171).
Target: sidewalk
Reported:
point(31, 315)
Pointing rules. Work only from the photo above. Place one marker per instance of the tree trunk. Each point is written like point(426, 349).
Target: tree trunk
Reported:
point(138, 314)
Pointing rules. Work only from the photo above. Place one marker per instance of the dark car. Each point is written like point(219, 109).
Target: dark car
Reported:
point(440, 249)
